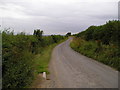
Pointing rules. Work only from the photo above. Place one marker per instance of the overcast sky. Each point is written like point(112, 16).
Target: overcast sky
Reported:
point(56, 16)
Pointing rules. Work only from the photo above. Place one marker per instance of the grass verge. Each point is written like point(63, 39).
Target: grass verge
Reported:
point(42, 60)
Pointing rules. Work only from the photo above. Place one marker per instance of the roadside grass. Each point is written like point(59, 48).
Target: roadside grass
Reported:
point(42, 60)
point(107, 54)
point(41, 63)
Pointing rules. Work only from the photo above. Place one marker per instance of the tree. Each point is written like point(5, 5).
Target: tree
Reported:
point(68, 34)
point(38, 33)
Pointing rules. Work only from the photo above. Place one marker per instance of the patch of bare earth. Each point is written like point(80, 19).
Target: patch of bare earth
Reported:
point(41, 82)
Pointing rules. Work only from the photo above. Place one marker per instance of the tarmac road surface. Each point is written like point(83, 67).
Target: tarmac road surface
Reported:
point(69, 69)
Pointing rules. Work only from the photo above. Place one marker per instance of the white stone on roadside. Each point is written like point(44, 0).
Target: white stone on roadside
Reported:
point(44, 75)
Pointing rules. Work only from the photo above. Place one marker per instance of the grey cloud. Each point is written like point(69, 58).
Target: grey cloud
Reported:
point(59, 18)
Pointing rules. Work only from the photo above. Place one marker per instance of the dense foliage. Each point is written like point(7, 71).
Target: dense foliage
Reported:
point(106, 34)
point(101, 43)
point(18, 53)
point(68, 34)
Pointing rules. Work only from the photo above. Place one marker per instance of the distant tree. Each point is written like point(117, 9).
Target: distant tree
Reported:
point(38, 33)
point(68, 34)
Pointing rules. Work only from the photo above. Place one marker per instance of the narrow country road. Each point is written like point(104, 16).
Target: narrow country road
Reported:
point(70, 69)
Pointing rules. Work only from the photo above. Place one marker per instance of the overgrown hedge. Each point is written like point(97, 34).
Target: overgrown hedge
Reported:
point(106, 34)
point(18, 53)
